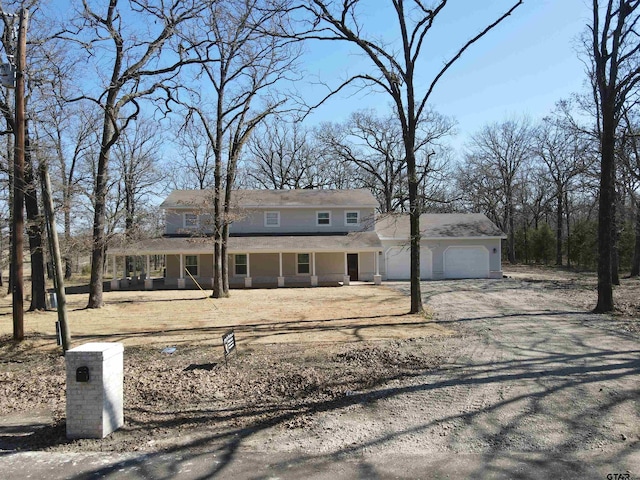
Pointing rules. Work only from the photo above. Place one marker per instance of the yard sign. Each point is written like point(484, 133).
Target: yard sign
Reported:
point(229, 344)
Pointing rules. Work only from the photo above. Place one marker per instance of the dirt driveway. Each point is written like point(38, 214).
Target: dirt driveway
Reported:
point(530, 386)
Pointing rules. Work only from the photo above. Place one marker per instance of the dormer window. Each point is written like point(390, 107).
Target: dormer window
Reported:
point(271, 219)
point(190, 220)
point(323, 218)
point(352, 218)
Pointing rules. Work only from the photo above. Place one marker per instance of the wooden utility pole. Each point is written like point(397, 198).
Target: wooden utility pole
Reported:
point(54, 247)
point(18, 181)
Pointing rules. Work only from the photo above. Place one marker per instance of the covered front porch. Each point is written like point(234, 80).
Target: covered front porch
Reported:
point(253, 262)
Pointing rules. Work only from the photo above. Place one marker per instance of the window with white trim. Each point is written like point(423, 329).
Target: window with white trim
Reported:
point(271, 219)
point(352, 218)
point(241, 264)
point(323, 218)
point(191, 264)
point(304, 263)
point(190, 220)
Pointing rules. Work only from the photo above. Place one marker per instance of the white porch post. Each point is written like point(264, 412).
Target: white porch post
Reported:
point(314, 277)
point(115, 281)
point(181, 281)
point(280, 277)
point(247, 279)
point(346, 279)
point(377, 278)
point(148, 281)
point(134, 272)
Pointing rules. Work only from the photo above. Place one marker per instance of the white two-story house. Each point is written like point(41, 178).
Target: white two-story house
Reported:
point(276, 238)
point(310, 238)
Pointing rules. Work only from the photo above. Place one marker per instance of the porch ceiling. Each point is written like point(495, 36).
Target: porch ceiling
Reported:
point(354, 242)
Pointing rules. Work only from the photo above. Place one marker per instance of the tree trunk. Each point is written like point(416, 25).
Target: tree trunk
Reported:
point(414, 222)
point(511, 250)
point(35, 232)
point(559, 222)
point(68, 260)
point(100, 198)
point(635, 262)
point(566, 208)
point(615, 237)
point(607, 166)
point(218, 284)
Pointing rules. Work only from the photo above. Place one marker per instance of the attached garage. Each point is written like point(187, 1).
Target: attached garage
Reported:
point(398, 261)
point(466, 262)
point(453, 245)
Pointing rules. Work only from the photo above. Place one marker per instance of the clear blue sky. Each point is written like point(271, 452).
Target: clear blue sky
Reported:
point(523, 66)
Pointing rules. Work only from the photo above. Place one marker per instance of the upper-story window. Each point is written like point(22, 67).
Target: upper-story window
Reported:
point(323, 218)
point(190, 220)
point(352, 218)
point(271, 219)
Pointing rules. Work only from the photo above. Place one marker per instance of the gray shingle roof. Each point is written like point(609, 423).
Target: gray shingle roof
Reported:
point(357, 241)
point(438, 225)
point(274, 198)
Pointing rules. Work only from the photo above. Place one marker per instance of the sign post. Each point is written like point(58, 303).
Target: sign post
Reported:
point(229, 344)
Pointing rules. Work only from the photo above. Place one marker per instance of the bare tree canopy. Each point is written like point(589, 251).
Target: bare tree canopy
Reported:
point(613, 47)
point(393, 71)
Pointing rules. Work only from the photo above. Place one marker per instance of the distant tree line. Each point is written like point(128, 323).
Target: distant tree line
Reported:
point(128, 99)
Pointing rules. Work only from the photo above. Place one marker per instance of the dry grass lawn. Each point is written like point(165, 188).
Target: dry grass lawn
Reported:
point(189, 317)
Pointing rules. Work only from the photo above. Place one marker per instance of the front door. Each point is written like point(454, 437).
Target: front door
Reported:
point(352, 266)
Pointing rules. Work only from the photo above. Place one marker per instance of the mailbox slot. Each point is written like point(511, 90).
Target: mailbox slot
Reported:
point(82, 374)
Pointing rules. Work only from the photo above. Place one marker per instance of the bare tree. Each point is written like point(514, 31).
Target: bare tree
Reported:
point(193, 165)
point(374, 145)
point(133, 38)
point(137, 154)
point(243, 57)
point(393, 72)
point(499, 152)
point(565, 154)
point(629, 155)
point(67, 134)
point(613, 47)
point(283, 155)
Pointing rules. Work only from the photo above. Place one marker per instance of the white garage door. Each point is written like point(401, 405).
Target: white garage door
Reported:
point(466, 262)
point(399, 259)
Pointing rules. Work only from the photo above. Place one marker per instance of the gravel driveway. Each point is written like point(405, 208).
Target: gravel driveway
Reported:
point(531, 388)
point(528, 387)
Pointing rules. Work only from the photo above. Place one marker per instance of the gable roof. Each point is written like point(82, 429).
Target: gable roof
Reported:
point(274, 199)
point(438, 225)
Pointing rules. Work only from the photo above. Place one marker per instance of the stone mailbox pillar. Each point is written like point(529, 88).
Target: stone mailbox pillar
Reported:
point(94, 389)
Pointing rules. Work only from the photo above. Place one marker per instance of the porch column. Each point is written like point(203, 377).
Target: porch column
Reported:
point(247, 279)
point(148, 281)
point(115, 281)
point(280, 277)
point(134, 272)
point(346, 279)
point(314, 277)
point(181, 282)
point(377, 278)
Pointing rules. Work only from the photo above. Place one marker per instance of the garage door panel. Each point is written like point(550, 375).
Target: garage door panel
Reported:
point(466, 262)
point(399, 260)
